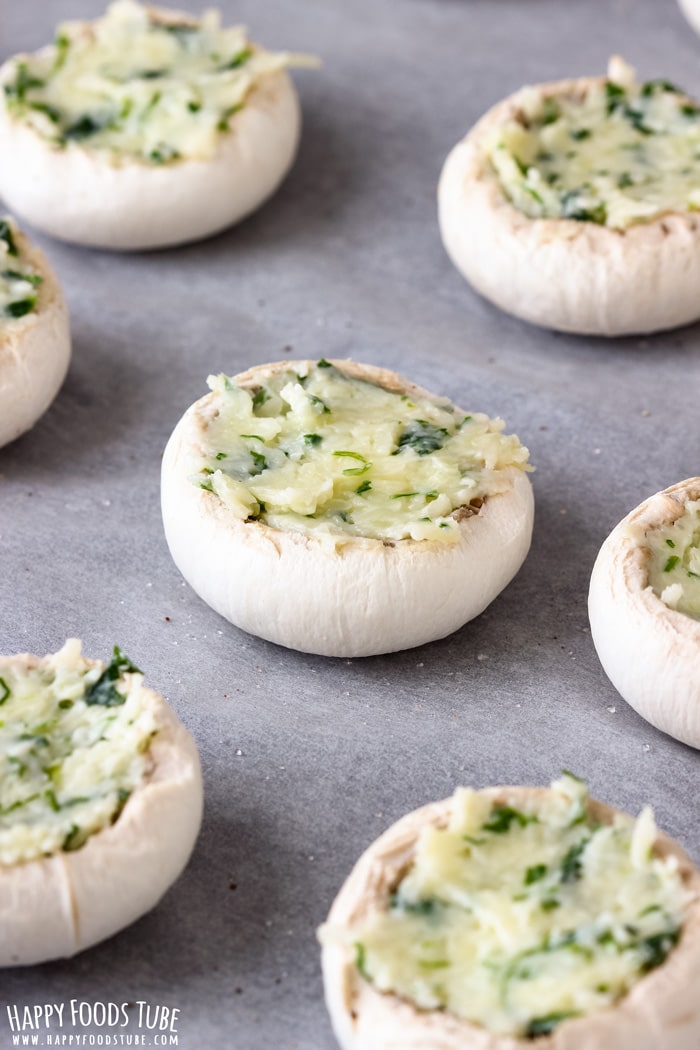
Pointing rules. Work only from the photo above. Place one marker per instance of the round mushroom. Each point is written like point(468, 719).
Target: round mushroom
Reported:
point(100, 802)
point(572, 205)
point(512, 915)
point(158, 127)
point(337, 508)
point(644, 608)
point(34, 333)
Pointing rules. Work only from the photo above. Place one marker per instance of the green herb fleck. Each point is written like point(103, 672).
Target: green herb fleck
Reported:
point(163, 154)
point(322, 363)
point(23, 82)
point(259, 461)
point(83, 128)
point(535, 873)
point(550, 111)
point(7, 237)
point(625, 180)
point(502, 817)
point(49, 111)
point(50, 797)
point(545, 1025)
point(365, 486)
point(223, 124)
point(361, 960)
point(62, 44)
point(422, 437)
point(657, 947)
point(102, 691)
point(221, 455)
point(614, 95)
point(550, 904)
point(352, 455)
point(568, 773)
point(425, 907)
point(75, 838)
point(239, 59)
point(319, 405)
point(579, 134)
point(30, 278)
point(260, 397)
point(5, 691)
point(659, 85)
point(312, 439)
point(671, 563)
point(21, 307)
point(572, 865)
point(572, 208)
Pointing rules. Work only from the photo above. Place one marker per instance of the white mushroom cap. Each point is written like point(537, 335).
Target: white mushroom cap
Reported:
point(561, 273)
point(59, 905)
point(128, 204)
point(34, 351)
point(691, 10)
point(650, 653)
point(660, 1011)
point(359, 599)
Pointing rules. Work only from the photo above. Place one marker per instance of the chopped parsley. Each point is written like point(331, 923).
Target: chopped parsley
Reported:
point(503, 817)
point(422, 438)
point(103, 691)
point(546, 1025)
point(572, 864)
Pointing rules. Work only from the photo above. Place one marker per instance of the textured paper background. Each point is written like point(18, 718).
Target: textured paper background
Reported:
point(306, 760)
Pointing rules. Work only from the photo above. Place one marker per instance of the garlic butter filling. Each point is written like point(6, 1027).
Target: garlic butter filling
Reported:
point(138, 85)
point(517, 919)
point(614, 153)
point(19, 282)
point(73, 746)
point(674, 567)
point(317, 451)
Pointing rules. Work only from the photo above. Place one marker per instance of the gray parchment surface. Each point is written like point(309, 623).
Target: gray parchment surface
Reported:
point(305, 759)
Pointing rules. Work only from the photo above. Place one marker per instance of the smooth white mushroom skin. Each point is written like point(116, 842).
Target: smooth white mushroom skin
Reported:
point(567, 273)
point(34, 349)
point(118, 199)
point(691, 10)
point(56, 905)
point(660, 1010)
point(357, 597)
point(650, 652)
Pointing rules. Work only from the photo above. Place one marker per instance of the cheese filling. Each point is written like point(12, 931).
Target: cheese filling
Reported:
point(317, 451)
point(73, 746)
point(517, 919)
point(19, 282)
point(615, 153)
point(674, 568)
point(138, 85)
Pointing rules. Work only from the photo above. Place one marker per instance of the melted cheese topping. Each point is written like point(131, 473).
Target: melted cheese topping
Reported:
point(516, 919)
point(616, 153)
point(137, 85)
point(320, 452)
point(19, 282)
point(73, 746)
point(674, 568)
